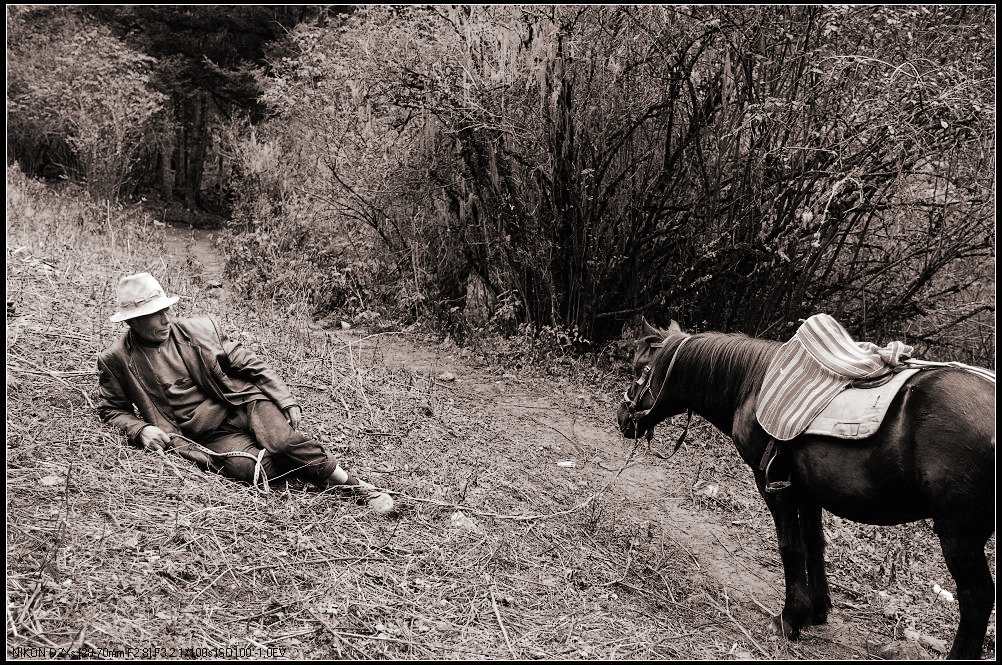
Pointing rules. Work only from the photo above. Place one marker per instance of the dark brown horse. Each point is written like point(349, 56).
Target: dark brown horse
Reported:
point(932, 458)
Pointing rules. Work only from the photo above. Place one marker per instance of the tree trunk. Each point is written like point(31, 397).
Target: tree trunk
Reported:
point(191, 147)
point(166, 172)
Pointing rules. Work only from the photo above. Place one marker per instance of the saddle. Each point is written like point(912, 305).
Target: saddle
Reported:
point(813, 368)
point(855, 413)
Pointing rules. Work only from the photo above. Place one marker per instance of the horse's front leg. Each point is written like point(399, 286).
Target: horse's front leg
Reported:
point(813, 535)
point(797, 608)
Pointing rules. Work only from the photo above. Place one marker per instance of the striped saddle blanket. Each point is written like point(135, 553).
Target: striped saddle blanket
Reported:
point(817, 365)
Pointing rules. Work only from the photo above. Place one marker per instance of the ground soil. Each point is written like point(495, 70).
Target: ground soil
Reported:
point(528, 527)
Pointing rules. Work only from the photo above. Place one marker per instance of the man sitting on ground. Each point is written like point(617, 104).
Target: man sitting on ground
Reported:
point(207, 397)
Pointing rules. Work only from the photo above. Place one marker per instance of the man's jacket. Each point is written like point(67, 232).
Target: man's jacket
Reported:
point(222, 368)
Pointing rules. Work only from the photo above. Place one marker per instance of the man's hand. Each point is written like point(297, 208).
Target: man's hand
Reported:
point(153, 438)
point(293, 414)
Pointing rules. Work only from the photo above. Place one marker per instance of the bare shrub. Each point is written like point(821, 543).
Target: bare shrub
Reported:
point(736, 168)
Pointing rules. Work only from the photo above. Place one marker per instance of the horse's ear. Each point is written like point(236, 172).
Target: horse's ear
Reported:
point(646, 329)
point(674, 327)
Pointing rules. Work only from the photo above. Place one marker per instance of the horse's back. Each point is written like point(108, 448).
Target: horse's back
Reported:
point(954, 407)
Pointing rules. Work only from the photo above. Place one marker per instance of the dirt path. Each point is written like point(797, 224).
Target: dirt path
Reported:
point(737, 557)
point(194, 247)
point(198, 244)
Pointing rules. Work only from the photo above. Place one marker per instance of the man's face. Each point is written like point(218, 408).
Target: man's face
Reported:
point(153, 328)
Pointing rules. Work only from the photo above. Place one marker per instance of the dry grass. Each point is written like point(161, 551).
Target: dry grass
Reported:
point(113, 548)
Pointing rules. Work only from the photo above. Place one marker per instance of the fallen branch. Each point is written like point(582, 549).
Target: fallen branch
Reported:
point(504, 631)
point(49, 373)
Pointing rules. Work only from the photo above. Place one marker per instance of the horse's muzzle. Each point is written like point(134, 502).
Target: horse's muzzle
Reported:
point(628, 423)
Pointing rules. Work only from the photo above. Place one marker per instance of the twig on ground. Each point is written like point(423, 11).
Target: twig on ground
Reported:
point(336, 635)
point(574, 443)
point(504, 631)
point(626, 570)
point(49, 373)
point(311, 386)
point(744, 631)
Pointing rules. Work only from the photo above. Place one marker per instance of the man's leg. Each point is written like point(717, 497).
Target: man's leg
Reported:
point(273, 432)
point(228, 440)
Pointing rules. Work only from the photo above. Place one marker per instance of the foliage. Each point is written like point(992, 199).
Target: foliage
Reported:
point(736, 168)
point(565, 167)
point(195, 64)
point(206, 57)
point(73, 83)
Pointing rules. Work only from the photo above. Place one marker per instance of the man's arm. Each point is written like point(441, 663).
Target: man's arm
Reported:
point(115, 407)
point(241, 361)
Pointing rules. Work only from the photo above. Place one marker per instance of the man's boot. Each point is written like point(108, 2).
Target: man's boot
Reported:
point(380, 503)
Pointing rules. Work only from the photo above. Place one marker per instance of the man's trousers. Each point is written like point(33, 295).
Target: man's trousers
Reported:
point(261, 425)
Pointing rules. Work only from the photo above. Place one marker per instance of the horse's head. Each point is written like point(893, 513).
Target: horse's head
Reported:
point(640, 396)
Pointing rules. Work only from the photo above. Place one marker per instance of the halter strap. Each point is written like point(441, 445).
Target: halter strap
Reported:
point(642, 414)
point(671, 365)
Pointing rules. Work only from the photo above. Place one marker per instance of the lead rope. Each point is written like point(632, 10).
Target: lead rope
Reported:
point(678, 444)
point(259, 473)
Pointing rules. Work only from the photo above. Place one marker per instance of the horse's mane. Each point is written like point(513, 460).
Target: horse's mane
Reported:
point(721, 370)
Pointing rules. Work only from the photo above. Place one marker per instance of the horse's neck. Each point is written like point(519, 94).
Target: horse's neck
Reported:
point(721, 373)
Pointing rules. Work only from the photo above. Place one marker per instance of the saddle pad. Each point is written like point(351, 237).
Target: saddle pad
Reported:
point(856, 413)
point(811, 369)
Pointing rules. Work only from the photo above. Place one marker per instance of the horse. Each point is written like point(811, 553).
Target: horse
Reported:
point(933, 457)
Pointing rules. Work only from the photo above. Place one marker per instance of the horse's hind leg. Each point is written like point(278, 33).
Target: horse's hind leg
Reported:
point(797, 608)
point(813, 534)
point(965, 557)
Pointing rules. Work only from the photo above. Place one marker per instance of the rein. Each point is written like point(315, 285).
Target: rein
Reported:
point(645, 380)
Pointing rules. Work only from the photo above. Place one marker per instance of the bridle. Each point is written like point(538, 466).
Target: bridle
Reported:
point(645, 381)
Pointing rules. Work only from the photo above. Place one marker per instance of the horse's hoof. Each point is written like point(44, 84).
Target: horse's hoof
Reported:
point(819, 617)
point(783, 628)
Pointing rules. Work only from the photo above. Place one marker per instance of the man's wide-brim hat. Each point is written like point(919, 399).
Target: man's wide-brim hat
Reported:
point(139, 295)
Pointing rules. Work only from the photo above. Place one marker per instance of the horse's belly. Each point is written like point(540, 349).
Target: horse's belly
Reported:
point(878, 517)
point(860, 484)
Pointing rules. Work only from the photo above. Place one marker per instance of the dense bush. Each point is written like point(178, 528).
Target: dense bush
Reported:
point(568, 168)
point(736, 168)
point(80, 98)
point(134, 100)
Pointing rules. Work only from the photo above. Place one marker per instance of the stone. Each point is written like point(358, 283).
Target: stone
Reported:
point(461, 521)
